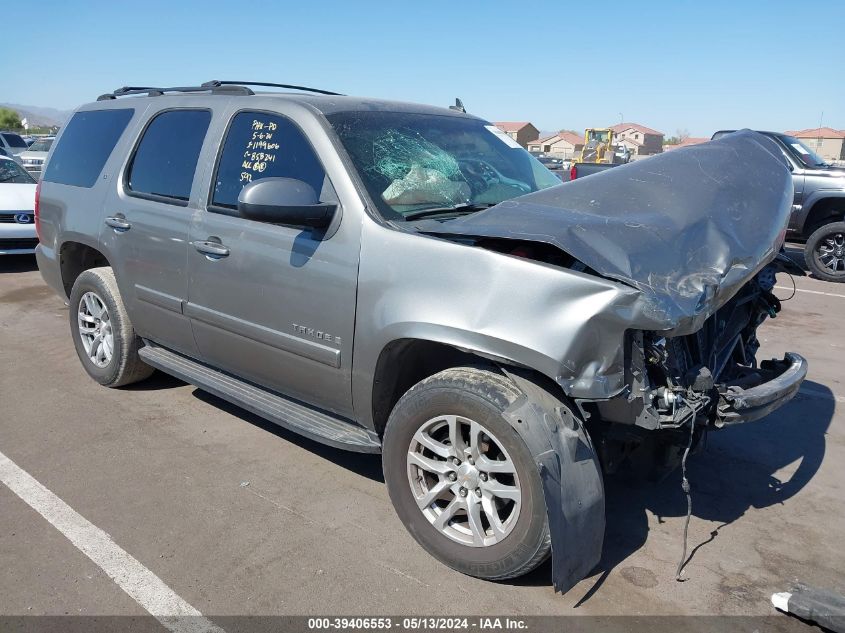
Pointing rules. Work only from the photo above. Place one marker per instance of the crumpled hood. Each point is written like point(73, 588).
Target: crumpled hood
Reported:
point(687, 228)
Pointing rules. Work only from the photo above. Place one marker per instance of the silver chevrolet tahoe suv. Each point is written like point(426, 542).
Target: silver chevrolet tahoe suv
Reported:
point(406, 280)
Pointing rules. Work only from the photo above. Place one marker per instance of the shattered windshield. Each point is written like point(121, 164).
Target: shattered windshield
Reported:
point(413, 162)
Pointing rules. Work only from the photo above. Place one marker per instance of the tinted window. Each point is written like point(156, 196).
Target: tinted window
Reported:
point(13, 140)
point(87, 142)
point(261, 145)
point(166, 158)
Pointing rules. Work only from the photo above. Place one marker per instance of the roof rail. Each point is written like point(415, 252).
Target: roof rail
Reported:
point(157, 92)
point(216, 83)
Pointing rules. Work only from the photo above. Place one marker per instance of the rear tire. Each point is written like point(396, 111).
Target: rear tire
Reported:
point(102, 333)
point(488, 536)
point(824, 252)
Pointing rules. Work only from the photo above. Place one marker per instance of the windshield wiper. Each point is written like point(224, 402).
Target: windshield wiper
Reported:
point(458, 208)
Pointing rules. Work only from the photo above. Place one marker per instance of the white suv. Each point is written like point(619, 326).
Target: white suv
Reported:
point(17, 209)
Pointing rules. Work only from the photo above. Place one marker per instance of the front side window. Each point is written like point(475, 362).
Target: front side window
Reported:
point(263, 145)
point(166, 159)
point(411, 162)
point(803, 153)
point(86, 143)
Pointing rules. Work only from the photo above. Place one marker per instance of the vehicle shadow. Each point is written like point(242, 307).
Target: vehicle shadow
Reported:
point(733, 473)
point(158, 380)
point(795, 252)
point(18, 264)
point(364, 464)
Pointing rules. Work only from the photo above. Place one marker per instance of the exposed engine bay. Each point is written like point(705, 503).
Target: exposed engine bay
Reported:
point(672, 380)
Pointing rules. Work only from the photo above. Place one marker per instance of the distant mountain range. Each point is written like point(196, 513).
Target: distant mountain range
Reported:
point(37, 116)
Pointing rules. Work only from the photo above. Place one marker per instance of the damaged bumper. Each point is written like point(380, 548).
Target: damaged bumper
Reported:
point(783, 379)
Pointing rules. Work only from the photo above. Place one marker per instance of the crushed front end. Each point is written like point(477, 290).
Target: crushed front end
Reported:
point(691, 241)
point(711, 376)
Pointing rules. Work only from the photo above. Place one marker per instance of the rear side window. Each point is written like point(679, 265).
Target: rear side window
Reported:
point(86, 144)
point(166, 158)
point(263, 145)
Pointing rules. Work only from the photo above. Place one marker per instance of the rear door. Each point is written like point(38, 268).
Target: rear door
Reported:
point(147, 223)
point(276, 304)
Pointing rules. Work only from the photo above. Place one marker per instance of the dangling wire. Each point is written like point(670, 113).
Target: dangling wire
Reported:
point(794, 289)
point(685, 487)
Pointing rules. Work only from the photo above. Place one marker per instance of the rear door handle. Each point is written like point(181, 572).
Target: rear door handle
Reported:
point(118, 223)
point(212, 250)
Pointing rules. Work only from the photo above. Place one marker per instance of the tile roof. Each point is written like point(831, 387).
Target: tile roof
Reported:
point(511, 126)
point(542, 139)
point(816, 132)
point(569, 137)
point(621, 127)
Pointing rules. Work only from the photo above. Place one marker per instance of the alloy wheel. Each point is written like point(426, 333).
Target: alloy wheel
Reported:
point(830, 254)
point(464, 481)
point(95, 329)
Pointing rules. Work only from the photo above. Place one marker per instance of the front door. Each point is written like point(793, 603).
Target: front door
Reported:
point(274, 304)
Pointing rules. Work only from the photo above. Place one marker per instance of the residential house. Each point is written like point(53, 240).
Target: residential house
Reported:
point(641, 140)
point(520, 131)
point(561, 145)
point(824, 141)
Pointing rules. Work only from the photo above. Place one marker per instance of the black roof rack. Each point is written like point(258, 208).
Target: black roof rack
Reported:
point(215, 86)
point(216, 83)
point(157, 92)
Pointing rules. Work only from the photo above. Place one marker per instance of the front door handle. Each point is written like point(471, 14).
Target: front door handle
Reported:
point(118, 223)
point(212, 250)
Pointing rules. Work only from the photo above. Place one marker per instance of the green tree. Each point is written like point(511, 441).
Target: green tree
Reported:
point(10, 120)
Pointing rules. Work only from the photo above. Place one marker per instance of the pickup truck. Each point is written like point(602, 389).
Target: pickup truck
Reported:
point(406, 280)
point(580, 170)
point(818, 207)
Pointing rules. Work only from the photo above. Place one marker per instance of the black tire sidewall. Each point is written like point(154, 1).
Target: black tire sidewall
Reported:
point(810, 251)
point(91, 282)
point(522, 544)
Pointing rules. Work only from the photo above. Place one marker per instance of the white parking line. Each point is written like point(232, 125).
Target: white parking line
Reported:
point(142, 585)
point(812, 292)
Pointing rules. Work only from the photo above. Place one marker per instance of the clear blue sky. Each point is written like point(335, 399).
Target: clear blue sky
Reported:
point(669, 65)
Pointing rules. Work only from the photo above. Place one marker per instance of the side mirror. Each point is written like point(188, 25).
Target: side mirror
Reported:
point(284, 201)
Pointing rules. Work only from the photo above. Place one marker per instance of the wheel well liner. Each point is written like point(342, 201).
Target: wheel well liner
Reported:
point(74, 259)
point(824, 211)
point(405, 362)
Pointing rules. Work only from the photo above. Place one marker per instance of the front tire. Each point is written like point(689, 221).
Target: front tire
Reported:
point(102, 333)
point(824, 252)
point(462, 480)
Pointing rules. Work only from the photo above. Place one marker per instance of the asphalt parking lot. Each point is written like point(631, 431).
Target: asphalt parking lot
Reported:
point(239, 517)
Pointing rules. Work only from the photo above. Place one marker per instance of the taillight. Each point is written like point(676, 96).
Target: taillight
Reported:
point(36, 211)
point(573, 172)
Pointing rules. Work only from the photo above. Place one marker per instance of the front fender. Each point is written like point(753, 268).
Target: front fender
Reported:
point(568, 326)
point(572, 482)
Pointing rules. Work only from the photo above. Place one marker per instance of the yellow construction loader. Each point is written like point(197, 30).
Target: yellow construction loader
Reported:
point(599, 153)
point(599, 148)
